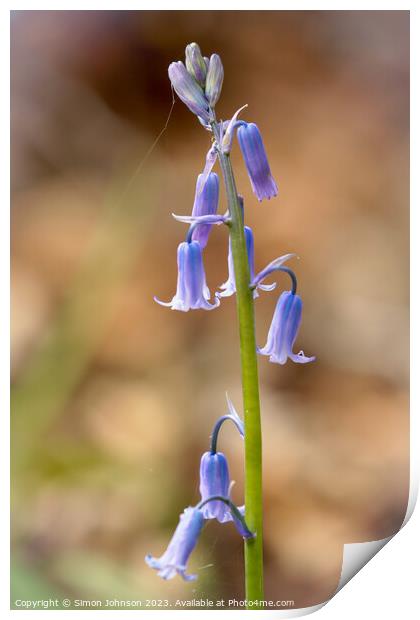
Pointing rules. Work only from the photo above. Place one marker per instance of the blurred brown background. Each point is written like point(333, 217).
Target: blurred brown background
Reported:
point(114, 397)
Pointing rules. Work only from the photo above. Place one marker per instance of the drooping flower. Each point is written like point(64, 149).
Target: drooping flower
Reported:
point(215, 480)
point(182, 543)
point(192, 292)
point(283, 331)
point(214, 80)
point(253, 151)
point(229, 287)
point(205, 203)
point(188, 90)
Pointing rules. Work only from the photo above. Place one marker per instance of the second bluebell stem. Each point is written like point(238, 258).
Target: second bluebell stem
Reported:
point(254, 585)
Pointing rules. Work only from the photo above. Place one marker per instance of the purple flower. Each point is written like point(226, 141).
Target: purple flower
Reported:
point(214, 480)
point(205, 203)
point(188, 90)
point(229, 287)
point(182, 543)
point(252, 147)
point(283, 331)
point(192, 292)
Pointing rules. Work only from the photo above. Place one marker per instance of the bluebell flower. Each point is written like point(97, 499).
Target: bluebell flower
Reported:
point(229, 287)
point(253, 151)
point(215, 480)
point(283, 331)
point(192, 292)
point(205, 203)
point(188, 90)
point(182, 543)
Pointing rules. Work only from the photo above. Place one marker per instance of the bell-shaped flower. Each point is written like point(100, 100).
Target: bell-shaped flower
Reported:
point(192, 292)
point(253, 151)
point(283, 331)
point(188, 90)
point(176, 556)
point(205, 203)
point(215, 480)
point(229, 287)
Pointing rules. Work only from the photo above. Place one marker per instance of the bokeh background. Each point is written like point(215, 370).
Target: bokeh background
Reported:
point(114, 397)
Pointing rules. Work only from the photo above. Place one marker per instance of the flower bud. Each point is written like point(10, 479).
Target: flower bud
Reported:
point(205, 203)
point(188, 90)
point(195, 63)
point(214, 80)
point(253, 151)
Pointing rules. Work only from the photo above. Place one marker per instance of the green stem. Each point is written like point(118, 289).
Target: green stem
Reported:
point(254, 588)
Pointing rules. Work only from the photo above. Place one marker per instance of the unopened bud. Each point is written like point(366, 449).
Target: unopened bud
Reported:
point(188, 90)
point(195, 63)
point(214, 80)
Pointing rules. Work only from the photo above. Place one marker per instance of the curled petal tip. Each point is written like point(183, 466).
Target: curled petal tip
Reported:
point(301, 358)
point(162, 303)
point(267, 287)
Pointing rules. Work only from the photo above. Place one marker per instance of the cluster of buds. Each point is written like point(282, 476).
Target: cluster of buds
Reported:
point(198, 82)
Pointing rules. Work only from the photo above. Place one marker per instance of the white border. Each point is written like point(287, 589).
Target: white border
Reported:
point(385, 587)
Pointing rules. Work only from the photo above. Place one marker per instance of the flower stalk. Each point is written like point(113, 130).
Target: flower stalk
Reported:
point(254, 588)
point(198, 83)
